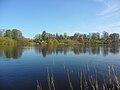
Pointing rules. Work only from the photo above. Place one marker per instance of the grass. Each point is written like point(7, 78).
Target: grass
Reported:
point(87, 80)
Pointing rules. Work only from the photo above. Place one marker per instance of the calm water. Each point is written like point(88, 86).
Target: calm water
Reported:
point(20, 67)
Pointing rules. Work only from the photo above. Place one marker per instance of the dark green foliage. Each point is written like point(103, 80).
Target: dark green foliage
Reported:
point(44, 35)
point(13, 34)
point(9, 34)
point(114, 36)
point(16, 34)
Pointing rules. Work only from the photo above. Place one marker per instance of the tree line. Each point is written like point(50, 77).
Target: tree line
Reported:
point(77, 38)
point(14, 36)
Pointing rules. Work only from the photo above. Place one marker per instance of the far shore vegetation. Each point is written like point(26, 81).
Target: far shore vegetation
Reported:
point(15, 37)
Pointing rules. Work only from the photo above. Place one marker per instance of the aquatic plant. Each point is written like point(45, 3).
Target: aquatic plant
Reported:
point(88, 80)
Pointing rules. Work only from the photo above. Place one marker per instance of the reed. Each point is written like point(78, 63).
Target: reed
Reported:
point(116, 78)
point(70, 83)
point(52, 81)
point(81, 81)
point(39, 87)
point(48, 79)
point(88, 80)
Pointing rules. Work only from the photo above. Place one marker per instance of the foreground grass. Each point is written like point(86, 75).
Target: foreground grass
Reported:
point(87, 80)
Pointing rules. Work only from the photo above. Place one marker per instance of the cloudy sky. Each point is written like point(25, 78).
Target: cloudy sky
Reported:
point(59, 16)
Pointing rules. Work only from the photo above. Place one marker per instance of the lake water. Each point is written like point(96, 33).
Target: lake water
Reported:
point(22, 66)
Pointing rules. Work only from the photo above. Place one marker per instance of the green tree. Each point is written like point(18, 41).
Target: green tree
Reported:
point(44, 35)
point(95, 36)
point(76, 36)
point(65, 35)
point(114, 36)
point(9, 34)
point(16, 34)
point(105, 35)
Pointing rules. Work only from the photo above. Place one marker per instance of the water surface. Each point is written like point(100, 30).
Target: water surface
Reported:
point(21, 66)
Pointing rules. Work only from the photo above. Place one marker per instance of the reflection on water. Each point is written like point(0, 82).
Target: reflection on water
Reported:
point(63, 64)
point(16, 51)
point(94, 50)
point(11, 51)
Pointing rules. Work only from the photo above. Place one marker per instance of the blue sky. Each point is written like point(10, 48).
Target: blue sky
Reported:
point(59, 16)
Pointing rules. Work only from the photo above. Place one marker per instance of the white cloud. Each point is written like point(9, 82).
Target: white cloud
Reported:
point(114, 25)
point(111, 27)
point(111, 7)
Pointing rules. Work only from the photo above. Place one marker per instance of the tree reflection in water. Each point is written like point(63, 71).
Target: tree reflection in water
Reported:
point(11, 51)
point(15, 52)
point(78, 49)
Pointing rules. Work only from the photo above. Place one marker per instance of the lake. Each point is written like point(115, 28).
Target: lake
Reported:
point(59, 67)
